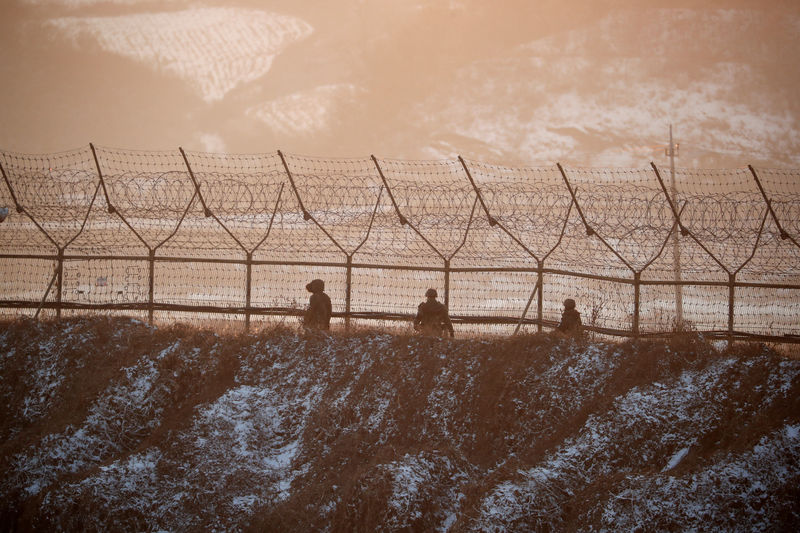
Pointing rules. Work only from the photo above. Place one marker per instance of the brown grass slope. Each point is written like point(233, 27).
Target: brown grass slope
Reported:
point(110, 424)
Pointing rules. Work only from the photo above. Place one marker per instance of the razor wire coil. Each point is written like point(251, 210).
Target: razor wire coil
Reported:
point(107, 202)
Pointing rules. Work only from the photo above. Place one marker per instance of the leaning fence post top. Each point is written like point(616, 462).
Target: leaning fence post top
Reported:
point(492, 220)
point(306, 214)
point(403, 220)
point(783, 233)
point(11, 190)
point(109, 206)
point(589, 230)
point(206, 210)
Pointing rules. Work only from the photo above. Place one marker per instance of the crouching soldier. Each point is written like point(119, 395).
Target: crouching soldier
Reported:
point(570, 320)
point(318, 314)
point(432, 317)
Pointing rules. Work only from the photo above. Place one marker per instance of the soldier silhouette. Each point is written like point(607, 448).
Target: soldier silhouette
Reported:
point(570, 319)
point(318, 314)
point(432, 316)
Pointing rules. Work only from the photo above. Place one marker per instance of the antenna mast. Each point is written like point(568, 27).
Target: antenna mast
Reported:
point(671, 151)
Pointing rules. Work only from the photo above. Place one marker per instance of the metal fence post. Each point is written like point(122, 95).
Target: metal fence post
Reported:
point(636, 302)
point(59, 280)
point(46, 292)
point(348, 292)
point(767, 201)
point(539, 302)
point(150, 290)
point(109, 206)
point(10, 189)
point(447, 283)
point(527, 306)
point(248, 291)
point(731, 296)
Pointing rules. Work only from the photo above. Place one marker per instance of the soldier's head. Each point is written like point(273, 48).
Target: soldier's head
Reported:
point(316, 285)
point(431, 293)
point(569, 303)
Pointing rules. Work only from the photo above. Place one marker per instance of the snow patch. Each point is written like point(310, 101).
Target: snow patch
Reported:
point(113, 424)
point(749, 482)
point(306, 111)
point(214, 50)
point(676, 459)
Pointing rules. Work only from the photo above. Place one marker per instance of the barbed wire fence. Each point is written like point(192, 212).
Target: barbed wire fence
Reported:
point(179, 235)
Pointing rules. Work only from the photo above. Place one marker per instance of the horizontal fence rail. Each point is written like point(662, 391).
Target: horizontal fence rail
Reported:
point(177, 234)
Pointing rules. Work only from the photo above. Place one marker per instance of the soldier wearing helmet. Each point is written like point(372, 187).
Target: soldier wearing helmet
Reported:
point(432, 316)
point(570, 319)
point(318, 314)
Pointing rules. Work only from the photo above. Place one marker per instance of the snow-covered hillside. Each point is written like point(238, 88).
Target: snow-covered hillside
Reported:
point(109, 424)
point(587, 94)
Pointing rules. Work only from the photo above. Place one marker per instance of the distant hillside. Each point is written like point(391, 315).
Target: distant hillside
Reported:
point(511, 83)
point(109, 424)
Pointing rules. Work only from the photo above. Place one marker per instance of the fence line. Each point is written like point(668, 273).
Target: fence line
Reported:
point(492, 238)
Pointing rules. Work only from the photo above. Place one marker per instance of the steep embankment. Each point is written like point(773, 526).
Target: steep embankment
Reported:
point(111, 424)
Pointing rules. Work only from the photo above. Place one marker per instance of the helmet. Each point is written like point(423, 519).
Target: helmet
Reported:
point(431, 293)
point(316, 285)
point(569, 303)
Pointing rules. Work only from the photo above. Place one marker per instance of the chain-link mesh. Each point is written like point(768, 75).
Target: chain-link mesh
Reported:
point(177, 235)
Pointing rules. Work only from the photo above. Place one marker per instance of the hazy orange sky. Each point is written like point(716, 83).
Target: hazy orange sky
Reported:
point(590, 83)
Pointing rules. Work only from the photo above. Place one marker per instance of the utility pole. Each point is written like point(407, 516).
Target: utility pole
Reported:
point(671, 151)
